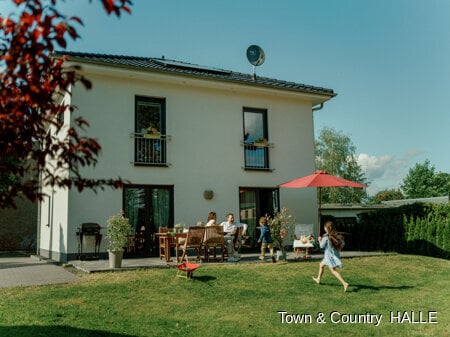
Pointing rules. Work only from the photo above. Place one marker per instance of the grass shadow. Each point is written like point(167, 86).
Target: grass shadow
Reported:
point(54, 331)
point(357, 287)
point(204, 278)
point(354, 288)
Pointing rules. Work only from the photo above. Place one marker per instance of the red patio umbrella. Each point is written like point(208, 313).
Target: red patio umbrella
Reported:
point(321, 179)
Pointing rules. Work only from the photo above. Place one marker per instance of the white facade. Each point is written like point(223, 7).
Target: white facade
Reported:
point(204, 121)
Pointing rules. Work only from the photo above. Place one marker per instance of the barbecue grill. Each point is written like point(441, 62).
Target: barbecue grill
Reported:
point(89, 229)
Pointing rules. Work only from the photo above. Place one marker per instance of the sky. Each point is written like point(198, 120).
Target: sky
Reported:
point(387, 60)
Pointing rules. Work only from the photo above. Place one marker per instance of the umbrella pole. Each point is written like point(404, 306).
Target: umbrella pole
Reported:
point(319, 196)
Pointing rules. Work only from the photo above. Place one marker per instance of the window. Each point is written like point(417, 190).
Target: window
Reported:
point(150, 131)
point(148, 207)
point(256, 149)
point(254, 203)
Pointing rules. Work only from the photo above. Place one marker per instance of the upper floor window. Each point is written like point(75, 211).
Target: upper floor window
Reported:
point(150, 131)
point(150, 115)
point(256, 145)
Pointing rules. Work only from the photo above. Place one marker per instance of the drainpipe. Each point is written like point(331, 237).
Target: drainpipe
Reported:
point(39, 210)
point(316, 108)
point(38, 234)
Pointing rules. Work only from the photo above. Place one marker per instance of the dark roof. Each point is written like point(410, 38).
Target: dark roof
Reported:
point(183, 68)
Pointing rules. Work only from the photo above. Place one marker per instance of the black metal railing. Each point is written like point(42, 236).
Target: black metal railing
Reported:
point(257, 156)
point(150, 149)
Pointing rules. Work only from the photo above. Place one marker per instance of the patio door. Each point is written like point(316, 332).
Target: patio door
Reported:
point(254, 203)
point(148, 207)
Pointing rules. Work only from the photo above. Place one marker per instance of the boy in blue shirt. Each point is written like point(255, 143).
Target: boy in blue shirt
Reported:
point(265, 239)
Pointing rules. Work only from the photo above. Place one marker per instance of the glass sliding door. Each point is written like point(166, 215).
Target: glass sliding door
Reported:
point(148, 208)
point(254, 203)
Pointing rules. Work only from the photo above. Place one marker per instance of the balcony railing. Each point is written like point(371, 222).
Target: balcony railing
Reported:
point(257, 156)
point(150, 149)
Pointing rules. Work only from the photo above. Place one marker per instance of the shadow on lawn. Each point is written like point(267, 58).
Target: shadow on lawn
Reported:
point(204, 278)
point(354, 288)
point(54, 331)
point(357, 287)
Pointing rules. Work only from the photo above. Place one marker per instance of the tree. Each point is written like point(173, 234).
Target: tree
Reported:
point(423, 182)
point(335, 154)
point(31, 81)
point(389, 194)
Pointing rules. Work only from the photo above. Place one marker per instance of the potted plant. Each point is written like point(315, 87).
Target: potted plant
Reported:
point(281, 224)
point(179, 227)
point(261, 141)
point(117, 231)
point(152, 132)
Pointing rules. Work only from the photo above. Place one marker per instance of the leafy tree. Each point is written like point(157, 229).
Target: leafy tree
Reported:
point(335, 154)
point(31, 85)
point(389, 194)
point(423, 182)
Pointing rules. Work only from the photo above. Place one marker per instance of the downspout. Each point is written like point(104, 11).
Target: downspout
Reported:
point(316, 108)
point(38, 236)
point(39, 212)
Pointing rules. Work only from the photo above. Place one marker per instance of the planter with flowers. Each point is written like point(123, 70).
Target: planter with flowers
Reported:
point(261, 141)
point(152, 133)
point(117, 230)
point(281, 224)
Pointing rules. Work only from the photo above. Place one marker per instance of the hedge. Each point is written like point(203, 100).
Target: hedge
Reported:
point(419, 228)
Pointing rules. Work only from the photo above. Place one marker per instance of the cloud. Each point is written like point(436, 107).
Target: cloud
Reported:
point(386, 171)
point(374, 167)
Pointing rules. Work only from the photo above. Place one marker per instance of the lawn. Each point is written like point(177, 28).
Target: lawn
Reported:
point(261, 299)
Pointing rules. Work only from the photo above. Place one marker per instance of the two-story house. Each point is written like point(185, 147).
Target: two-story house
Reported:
point(187, 138)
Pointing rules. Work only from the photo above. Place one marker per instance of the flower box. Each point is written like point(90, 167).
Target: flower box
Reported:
point(152, 136)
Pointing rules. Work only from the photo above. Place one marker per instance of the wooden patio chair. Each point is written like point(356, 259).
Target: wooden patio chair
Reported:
point(194, 239)
point(140, 239)
point(240, 237)
point(214, 239)
point(172, 242)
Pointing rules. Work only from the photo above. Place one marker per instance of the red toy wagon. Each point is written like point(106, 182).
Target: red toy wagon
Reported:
point(186, 269)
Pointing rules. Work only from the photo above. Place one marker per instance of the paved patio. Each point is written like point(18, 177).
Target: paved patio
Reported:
point(19, 270)
point(156, 262)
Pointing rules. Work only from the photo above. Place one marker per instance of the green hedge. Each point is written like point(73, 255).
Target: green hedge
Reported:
point(419, 228)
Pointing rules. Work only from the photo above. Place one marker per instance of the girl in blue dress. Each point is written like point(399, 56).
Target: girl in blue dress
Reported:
point(331, 243)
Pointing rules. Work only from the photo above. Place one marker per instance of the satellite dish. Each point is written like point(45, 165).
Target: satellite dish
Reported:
point(255, 55)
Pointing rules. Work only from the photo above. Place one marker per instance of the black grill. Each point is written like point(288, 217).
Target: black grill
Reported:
point(89, 229)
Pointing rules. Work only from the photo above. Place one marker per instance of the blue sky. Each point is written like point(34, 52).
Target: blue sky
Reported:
point(388, 61)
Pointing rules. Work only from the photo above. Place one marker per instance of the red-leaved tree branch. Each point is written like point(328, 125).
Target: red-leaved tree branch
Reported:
point(31, 85)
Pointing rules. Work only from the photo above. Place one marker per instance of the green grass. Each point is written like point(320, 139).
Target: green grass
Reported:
point(235, 299)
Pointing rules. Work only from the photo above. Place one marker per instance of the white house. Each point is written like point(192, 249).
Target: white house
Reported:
point(184, 136)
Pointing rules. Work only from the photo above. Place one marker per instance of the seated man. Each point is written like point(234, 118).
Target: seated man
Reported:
point(231, 231)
